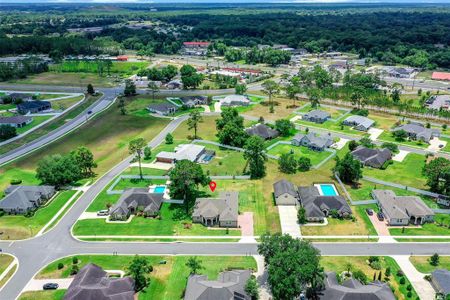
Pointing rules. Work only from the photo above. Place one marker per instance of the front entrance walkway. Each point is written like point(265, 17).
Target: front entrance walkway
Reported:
point(288, 220)
point(422, 286)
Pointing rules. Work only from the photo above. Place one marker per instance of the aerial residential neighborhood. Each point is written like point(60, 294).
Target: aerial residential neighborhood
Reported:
point(206, 150)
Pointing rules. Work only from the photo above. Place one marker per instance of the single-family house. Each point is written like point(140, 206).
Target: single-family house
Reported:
point(312, 141)
point(33, 107)
point(285, 193)
point(190, 152)
point(402, 210)
point(135, 200)
point(318, 207)
point(353, 289)
point(16, 121)
point(92, 282)
point(400, 72)
point(174, 84)
point(222, 211)
point(440, 280)
point(163, 109)
point(20, 96)
point(263, 131)
point(21, 199)
point(360, 123)
point(235, 100)
point(417, 131)
point(374, 158)
point(191, 101)
point(438, 102)
point(316, 116)
point(443, 200)
point(230, 285)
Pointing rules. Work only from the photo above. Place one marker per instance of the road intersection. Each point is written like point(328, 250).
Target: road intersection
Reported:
point(35, 253)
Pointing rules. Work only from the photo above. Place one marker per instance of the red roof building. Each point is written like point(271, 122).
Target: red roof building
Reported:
point(196, 44)
point(241, 70)
point(440, 76)
point(122, 58)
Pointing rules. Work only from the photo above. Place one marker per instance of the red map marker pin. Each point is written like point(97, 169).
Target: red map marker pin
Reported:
point(212, 186)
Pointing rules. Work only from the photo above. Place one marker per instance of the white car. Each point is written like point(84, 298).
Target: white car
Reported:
point(104, 212)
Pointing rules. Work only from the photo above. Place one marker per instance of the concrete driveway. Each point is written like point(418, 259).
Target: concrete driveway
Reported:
point(245, 222)
point(36, 284)
point(435, 143)
point(400, 156)
point(288, 220)
point(374, 133)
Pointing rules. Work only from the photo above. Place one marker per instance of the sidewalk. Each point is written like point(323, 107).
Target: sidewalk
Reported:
point(422, 287)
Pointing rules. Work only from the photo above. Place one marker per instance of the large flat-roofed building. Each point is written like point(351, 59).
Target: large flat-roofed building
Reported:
point(402, 210)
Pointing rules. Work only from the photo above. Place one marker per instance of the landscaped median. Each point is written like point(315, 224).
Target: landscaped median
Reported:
point(8, 266)
point(167, 280)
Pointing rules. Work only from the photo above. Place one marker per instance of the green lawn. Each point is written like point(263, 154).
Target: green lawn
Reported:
point(439, 227)
point(408, 172)
point(422, 263)
point(80, 79)
point(167, 281)
point(173, 221)
point(315, 156)
point(5, 261)
point(7, 106)
point(20, 227)
point(338, 264)
point(386, 136)
point(123, 68)
point(36, 121)
point(138, 105)
point(332, 126)
point(43, 295)
point(65, 103)
point(364, 190)
point(226, 162)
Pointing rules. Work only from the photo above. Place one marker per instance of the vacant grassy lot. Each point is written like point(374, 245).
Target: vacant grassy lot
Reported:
point(315, 156)
point(123, 68)
point(79, 80)
point(65, 103)
point(422, 263)
point(408, 172)
point(281, 111)
point(20, 227)
point(332, 126)
point(339, 264)
point(439, 227)
point(106, 135)
point(167, 282)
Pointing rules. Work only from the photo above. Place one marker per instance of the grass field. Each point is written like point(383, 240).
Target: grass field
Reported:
point(80, 80)
point(65, 103)
point(315, 156)
point(386, 136)
point(36, 121)
point(43, 295)
point(20, 227)
point(422, 263)
point(123, 68)
point(408, 172)
point(167, 281)
point(439, 227)
point(338, 264)
point(281, 111)
point(5, 261)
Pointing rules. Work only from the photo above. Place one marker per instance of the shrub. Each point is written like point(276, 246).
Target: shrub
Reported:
point(361, 276)
point(400, 273)
point(408, 287)
point(434, 259)
point(373, 258)
point(15, 181)
point(75, 260)
point(409, 294)
point(402, 280)
point(427, 277)
point(304, 164)
point(74, 270)
point(352, 145)
point(60, 266)
point(391, 146)
point(387, 273)
point(376, 265)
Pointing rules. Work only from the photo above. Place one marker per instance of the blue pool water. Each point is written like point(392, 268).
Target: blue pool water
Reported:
point(328, 190)
point(159, 190)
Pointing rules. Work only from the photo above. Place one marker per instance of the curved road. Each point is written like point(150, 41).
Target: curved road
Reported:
point(35, 253)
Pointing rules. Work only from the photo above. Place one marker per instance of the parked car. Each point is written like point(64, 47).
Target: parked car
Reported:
point(369, 211)
point(103, 212)
point(50, 286)
point(380, 216)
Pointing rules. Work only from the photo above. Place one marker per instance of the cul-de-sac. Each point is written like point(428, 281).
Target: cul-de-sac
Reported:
point(224, 150)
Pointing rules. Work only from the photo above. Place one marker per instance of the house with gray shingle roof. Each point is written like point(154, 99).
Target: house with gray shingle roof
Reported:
point(93, 283)
point(312, 141)
point(135, 200)
point(402, 210)
point(16, 121)
point(285, 193)
point(438, 101)
point(352, 289)
point(21, 199)
point(359, 122)
point(263, 131)
point(318, 207)
point(374, 158)
point(222, 211)
point(235, 100)
point(230, 285)
point(440, 280)
point(190, 152)
point(33, 107)
point(316, 116)
point(191, 101)
point(163, 109)
point(417, 131)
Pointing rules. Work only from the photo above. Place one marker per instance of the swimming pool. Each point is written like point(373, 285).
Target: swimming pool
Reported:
point(327, 189)
point(159, 189)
